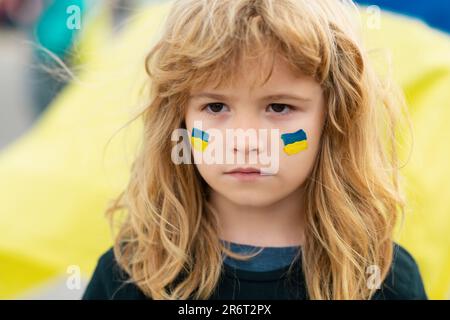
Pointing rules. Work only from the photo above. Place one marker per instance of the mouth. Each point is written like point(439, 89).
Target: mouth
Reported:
point(245, 174)
point(244, 171)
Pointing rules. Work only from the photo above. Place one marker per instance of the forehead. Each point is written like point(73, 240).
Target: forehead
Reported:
point(278, 71)
point(261, 74)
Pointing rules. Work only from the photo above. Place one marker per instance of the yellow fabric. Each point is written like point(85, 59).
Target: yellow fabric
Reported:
point(421, 64)
point(94, 34)
point(55, 181)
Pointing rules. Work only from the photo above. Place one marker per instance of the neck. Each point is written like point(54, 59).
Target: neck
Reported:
point(278, 225)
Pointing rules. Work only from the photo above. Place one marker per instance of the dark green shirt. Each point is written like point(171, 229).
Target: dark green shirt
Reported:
point(403, 281)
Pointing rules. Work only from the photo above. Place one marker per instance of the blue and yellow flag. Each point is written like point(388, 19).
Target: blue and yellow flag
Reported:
point(294, 142)
point(199, 139)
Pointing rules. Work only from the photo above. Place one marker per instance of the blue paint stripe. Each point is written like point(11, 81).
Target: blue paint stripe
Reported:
point(197, 133)
point(289, 138)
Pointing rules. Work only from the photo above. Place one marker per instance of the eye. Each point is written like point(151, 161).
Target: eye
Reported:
point(280, 108)
point(215, 107)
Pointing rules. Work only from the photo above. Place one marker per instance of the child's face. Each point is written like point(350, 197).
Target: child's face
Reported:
point(244, 108)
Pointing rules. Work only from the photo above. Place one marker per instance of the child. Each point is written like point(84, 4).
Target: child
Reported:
point(316, 220)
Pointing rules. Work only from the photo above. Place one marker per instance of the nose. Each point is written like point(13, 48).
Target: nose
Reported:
point(246, 145)
point(246, 126)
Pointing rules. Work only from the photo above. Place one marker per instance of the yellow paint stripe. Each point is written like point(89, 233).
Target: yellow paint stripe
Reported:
point(198, 144)
point(296, 147)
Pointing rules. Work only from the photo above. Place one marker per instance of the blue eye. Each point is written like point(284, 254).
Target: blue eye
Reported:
point(280, 108)
point(215, 107)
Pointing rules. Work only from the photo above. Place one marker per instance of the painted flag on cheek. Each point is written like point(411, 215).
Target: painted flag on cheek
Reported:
point(199, 139)
point(294, 142)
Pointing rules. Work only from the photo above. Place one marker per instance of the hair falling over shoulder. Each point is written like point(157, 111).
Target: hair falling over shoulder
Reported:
point(168, 243)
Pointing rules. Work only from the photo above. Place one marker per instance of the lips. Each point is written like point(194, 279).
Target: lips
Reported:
point(244, 171)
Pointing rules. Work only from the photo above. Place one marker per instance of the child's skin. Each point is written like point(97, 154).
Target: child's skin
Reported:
point(266, 211)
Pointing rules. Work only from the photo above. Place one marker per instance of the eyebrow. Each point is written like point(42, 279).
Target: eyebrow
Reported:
point(279, 96)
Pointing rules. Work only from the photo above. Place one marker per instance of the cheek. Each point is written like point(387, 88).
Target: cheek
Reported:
point(297, 161)
point(209, 172)
point(296, 168)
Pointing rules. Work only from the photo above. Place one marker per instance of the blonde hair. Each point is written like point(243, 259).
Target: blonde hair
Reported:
point(168, 242)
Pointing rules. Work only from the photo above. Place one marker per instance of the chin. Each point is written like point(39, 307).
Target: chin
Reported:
point(252, 199)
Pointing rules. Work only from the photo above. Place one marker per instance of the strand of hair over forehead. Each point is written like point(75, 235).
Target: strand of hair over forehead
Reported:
point(340, 12)
point(218, 18)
